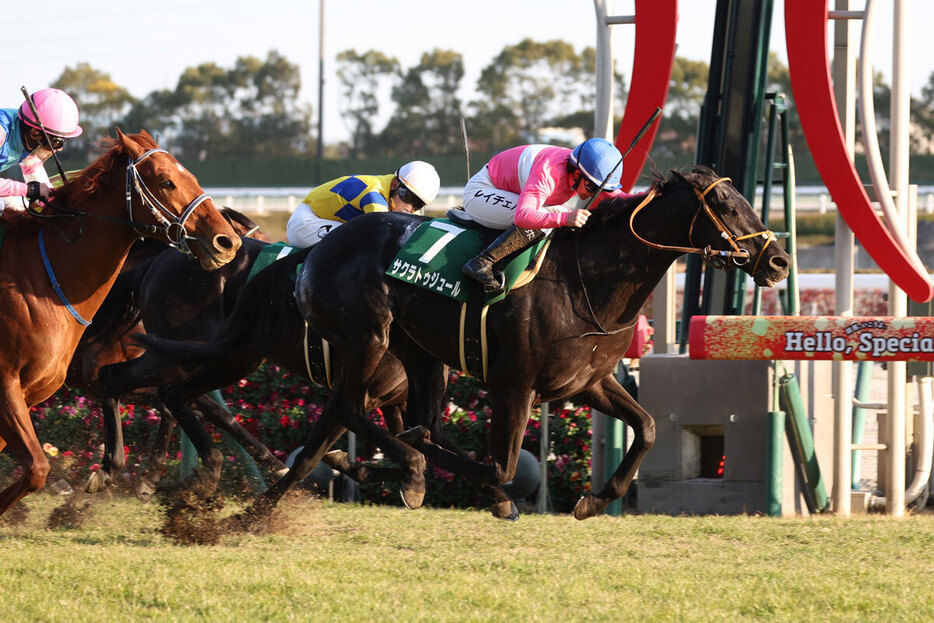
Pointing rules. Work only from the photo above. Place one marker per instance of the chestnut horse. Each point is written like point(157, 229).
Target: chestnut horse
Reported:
point(559, 337)
point(54, 276)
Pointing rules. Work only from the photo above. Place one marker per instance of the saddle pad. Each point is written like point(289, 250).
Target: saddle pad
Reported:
point(433, 256)
point(269, 254)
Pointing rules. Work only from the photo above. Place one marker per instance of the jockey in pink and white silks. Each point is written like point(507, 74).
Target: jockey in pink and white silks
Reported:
point(22, 142)
point(530, 189)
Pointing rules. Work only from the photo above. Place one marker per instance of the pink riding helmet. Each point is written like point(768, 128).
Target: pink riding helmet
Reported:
point(58, 112)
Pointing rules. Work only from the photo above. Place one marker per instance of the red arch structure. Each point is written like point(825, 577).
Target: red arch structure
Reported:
point(806, 37)
point(656, 27)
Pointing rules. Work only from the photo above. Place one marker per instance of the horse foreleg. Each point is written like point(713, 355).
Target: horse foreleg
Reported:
point(158, 456)
point(17, 432)
point(116, 381)
point(609, 397)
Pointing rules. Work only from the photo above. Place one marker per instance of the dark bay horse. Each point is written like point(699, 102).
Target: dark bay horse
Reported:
point(53, 277)
point(560, 337)
point(213, 340)
point(109, 339)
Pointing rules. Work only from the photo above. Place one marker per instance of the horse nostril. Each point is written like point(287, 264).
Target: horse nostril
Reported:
point(779, 263)
point(223, 243)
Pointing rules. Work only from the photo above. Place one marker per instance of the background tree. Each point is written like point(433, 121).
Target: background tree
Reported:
point(526, 85)
point(363, 77)
point(677, 135)
point(101, 102)
point(427, 116)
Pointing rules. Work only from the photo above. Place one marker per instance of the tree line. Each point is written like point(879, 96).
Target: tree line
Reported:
point(252, 110)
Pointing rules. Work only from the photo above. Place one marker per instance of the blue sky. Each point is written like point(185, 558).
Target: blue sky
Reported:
point(145, 48)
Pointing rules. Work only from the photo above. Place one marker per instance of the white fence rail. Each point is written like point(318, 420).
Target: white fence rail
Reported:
point(253, 200)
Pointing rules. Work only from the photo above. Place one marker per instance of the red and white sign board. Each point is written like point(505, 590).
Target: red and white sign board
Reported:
point(854, 338)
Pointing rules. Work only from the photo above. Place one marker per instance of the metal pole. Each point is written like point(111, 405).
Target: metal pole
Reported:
point(603, 103)
point(844, 80)
point(898, 301)
point(542, 503)
point(320, 151)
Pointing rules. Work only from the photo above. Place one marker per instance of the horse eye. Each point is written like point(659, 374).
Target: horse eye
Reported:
point(167, 184)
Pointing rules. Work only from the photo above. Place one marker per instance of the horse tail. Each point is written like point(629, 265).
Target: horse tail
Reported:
point(263, 305)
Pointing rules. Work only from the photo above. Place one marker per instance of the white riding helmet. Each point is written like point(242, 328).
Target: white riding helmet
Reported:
point(421, 178)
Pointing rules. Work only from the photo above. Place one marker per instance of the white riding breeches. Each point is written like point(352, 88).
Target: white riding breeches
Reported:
point(491, 206)
point(305, 228)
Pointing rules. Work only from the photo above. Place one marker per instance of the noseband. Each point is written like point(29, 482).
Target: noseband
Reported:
point(715, 257)
point(171, 226)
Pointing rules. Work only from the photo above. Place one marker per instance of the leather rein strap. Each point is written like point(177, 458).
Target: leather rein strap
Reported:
point(715, 257)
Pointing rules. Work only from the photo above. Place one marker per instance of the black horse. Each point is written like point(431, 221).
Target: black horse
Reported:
point(168, 297)
point(560, 337)
point(209, 330)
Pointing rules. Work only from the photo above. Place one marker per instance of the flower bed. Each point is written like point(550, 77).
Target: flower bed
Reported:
point(279, 408)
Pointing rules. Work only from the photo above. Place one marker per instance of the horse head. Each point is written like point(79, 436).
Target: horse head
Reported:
point(166, 200)
point(727, 233)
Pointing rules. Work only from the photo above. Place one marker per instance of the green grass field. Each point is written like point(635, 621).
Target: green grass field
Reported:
point(324, 562)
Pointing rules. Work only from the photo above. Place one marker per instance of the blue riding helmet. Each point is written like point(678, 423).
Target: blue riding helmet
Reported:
point(595, 158)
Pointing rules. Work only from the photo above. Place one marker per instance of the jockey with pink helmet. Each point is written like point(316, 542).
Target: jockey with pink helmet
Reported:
point(22, 141)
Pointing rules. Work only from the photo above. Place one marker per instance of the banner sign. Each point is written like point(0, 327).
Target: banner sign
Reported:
point(854, 338)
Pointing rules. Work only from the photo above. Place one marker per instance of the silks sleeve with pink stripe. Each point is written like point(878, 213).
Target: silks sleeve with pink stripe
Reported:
point(546, 186)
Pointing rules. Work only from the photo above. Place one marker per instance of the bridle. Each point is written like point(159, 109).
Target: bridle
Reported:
point(170, 225)
point(715, 257)
point(718, 258)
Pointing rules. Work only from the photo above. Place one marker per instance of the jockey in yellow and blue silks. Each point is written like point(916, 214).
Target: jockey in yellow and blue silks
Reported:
point(22, 141)
point(407, 190)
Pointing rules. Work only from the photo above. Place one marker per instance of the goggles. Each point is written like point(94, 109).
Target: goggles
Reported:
point(407, 196)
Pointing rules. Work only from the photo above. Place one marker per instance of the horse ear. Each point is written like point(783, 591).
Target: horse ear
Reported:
point(681, 176)
point(148, 136)
point(130, 146)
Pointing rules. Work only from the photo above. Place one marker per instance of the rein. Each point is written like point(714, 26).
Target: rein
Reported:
point(172, 226)
point(55, 284)
point(715, 257)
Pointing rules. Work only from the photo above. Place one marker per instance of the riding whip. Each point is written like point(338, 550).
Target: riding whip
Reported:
point(635, 141)
point(45, 133)
point(466, 146)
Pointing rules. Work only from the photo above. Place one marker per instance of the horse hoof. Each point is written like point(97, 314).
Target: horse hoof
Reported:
point(336, 459)
point(588, 506)
point(97, 482)
point(412, 496)
point(414, 437)
point(145, 489)
point(505, 510)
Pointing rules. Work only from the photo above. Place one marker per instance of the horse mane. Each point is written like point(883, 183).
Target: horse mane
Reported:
point(610, 210)
point(94, 176)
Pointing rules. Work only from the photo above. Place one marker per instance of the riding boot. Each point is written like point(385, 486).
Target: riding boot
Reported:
point(480, 267)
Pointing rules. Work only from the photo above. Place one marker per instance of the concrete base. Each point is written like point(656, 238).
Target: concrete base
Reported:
point(694, 399)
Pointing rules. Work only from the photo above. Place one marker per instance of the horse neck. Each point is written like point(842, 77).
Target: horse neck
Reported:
point(87, 267)
point(620, 271)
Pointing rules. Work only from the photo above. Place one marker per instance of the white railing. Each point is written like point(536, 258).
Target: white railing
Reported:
point(254, 200)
